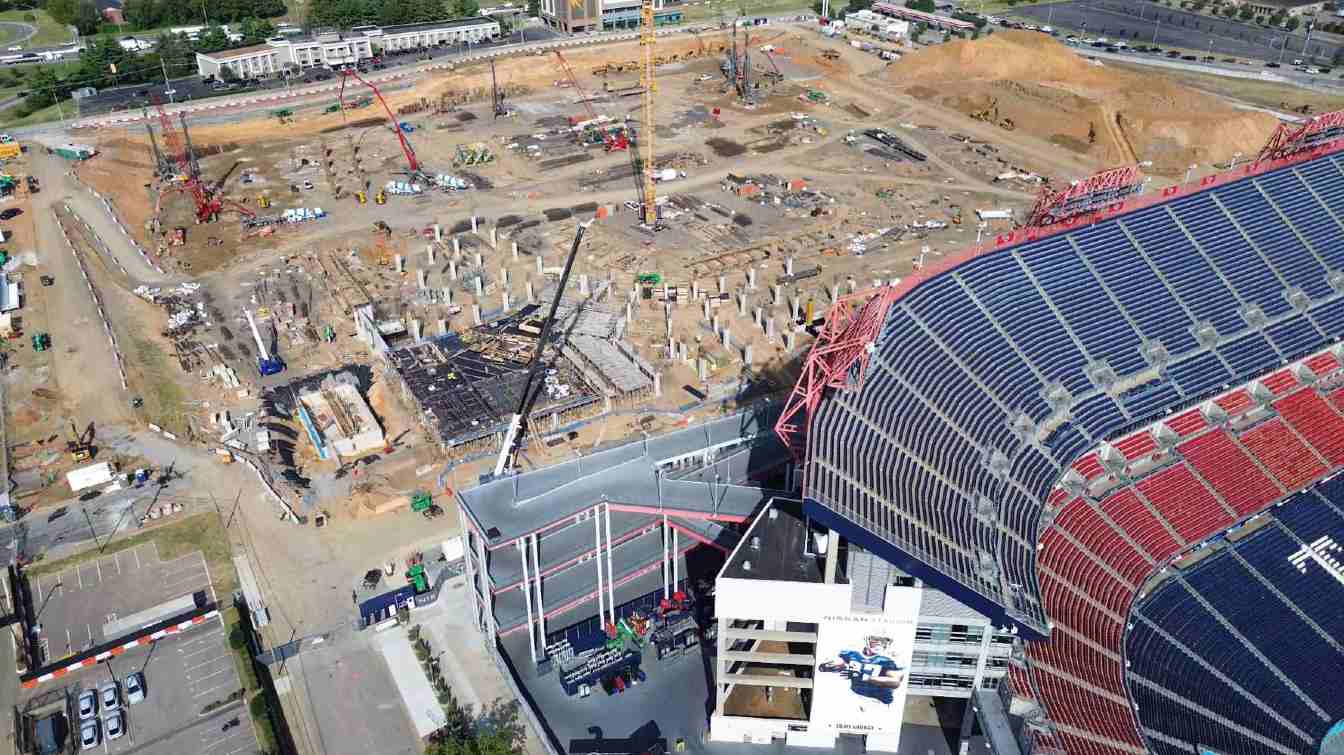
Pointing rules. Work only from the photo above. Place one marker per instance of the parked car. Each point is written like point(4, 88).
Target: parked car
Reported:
point(88, 735)
point(110, 694)
point(307, 185)
point(1271, 64)
point(135, 688)
point(113, 725)
point(88, 704)
point(11, 213)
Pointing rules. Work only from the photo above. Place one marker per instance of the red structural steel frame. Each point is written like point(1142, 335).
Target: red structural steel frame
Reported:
point(207, 204)
point(1107, 180)
point(1288, 139)
point(411, 159)
point(844, 343)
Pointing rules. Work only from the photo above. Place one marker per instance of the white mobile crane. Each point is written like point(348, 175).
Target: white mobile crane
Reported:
point(267, 363)
point(513, 438)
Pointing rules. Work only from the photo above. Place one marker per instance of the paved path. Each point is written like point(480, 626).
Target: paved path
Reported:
point(24, 31)
point(91, 210)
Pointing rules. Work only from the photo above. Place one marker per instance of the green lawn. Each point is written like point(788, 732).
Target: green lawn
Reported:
point(45, 115)
point(49, 32)
point(730, 8)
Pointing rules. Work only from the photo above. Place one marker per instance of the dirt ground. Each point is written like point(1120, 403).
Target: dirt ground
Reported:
point(1117, 116)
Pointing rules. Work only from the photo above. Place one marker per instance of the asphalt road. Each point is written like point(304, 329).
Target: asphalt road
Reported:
point(1142, 22)
point(74, 522)
point(192, 88)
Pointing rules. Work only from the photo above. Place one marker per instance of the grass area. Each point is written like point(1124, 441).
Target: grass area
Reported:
point(45, 115)
point(205, 533)
point(728, 9)
point(49, 33)
point(1268, 94)
point(1002, 7)
point(147, 367)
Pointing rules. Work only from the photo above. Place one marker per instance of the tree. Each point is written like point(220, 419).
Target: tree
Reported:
point(213, 39)
point(255, 31)
point(497, 731)
point(1292, 23)
point(1246, 14)
point(534, 8)
point(226, 74)
point(921, 5)
point(463, 8)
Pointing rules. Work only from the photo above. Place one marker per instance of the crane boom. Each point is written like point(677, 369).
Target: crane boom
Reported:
point(411, 159)
point(513, 437)
point(256, 335)
point(647, 41)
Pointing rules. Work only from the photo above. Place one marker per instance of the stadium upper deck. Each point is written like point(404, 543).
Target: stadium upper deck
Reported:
point(1069, 377)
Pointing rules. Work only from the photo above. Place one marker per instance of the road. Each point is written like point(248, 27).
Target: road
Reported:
point(1143, 22)
point(25, 31)
point(58, 530)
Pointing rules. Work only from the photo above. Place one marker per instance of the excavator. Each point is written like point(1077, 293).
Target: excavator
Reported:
point(81, 445)
point(991, 115)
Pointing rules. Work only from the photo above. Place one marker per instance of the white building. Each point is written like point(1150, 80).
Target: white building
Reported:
point(336, 49)
point(794, 598)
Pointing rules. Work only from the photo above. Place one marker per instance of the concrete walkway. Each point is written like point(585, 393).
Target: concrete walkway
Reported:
point(422, 705)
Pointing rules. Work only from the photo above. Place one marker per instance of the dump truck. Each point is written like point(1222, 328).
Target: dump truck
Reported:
point(75, 151)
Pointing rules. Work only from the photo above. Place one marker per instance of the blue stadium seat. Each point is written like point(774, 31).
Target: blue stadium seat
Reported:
point(1199, 288)
point(1295, 337)
point(1280, 244)
point(1221, 240)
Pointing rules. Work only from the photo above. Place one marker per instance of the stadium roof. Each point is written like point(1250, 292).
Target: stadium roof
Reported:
point(1067, 377)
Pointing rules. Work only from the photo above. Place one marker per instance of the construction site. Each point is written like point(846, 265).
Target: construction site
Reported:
point(524, 290)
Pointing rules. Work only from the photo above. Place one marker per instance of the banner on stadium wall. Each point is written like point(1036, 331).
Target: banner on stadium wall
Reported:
point(863, 665)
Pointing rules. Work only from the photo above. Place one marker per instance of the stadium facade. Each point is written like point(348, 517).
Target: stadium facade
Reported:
point(1116, 437)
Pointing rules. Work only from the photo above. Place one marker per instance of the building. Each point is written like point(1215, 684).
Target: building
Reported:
point(1121, 440)
point(603, 15)
point(337, 49)
point(1287, 7)
point(792, 598)
point(687, 540)
point(338, 420)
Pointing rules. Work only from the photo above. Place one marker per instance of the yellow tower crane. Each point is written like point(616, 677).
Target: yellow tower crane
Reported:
point(647, 41)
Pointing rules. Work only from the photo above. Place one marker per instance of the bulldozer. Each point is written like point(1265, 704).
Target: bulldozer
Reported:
point(991, 115)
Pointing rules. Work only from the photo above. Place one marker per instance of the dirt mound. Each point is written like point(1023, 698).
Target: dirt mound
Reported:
point(1032, 82)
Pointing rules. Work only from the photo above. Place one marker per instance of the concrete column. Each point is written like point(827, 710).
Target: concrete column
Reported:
point(504, 299)
point(853, 284)
point(770, 329)
point(788, 265)
point(429, 250)
point(443, 327)
point(531, 295)
point(742, 305)
point(723, 284)
point(629, 311)
point(527, 599)
point(667, 594)
point(727, 338)
point(539, 264)
point(668, 323)
point(476, 313)
point(494, 237)
point(448, 295)
point(515, 250)
point(746, 355)
point(657, 384)
point(775, 294)
point(597, 549)
point(756, 314)
point(457, 245)
point(480, 260)
point(676, 568)
point(705, 302)
point(480, 286)
point(541, 607)
point(751, 278)
point(401, 266)
point(473, 223)
point(420, 278)
point(438, 232)
point(415, 331)
point(452, 269)
point(835, 292)
point(695, 290)
point(503, 276)
point(685, 352)
point(702, 369)
point(788, 340)
point(832, 556)
point(793, 306)
point(583, 284)
point(611, 591)
point(714, 323)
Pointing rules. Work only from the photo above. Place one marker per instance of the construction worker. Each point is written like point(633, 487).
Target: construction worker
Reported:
point(361, 197)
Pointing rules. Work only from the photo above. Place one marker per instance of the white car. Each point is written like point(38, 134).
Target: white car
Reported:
point(110, 695)
point(135, 688)
point(88, 705)
point(307, 185)
point(113, 727)
point(88, 735)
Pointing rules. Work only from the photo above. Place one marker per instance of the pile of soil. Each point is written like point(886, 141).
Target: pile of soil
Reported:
point(1046, 90)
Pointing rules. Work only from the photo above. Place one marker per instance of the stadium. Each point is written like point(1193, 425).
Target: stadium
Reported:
point(1117, 435)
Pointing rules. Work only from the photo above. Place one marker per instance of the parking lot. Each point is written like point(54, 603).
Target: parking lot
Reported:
point(189, 676)
point(75, 607)
point(183, 673)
